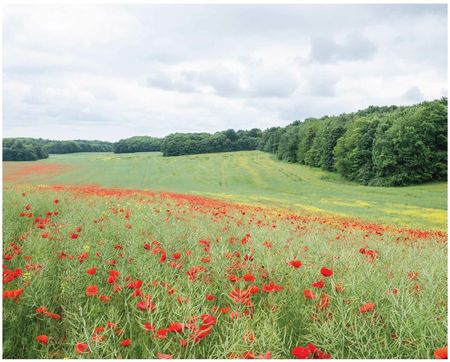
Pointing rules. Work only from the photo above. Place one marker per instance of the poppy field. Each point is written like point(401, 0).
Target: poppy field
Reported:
point(96, 272)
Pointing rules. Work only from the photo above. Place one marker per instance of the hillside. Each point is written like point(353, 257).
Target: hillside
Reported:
point(252, 177)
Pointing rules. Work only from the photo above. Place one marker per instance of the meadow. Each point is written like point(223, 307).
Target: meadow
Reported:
point(250, 177)
point(278, 261)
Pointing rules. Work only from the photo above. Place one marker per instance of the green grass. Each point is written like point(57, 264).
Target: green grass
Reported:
point(256, 178)
point(409, 323)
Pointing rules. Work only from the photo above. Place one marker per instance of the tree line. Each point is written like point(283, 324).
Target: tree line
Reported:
point(31, 149)
point(379, 146)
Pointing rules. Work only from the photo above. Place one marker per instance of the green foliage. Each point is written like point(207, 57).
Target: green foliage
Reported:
point(178, 144)
point(22, 150)
point(138, 144)
point(383, 146)
point(38, 148)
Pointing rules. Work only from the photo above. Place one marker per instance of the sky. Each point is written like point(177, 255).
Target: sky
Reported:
point(110, 72)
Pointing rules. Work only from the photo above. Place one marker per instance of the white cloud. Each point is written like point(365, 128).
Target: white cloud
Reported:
point(113, 71)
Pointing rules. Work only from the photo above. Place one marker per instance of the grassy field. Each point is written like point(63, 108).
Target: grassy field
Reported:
point(249, 177)
point(103, 273)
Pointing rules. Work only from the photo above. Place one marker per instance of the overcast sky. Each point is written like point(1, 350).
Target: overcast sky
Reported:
point(114, 71)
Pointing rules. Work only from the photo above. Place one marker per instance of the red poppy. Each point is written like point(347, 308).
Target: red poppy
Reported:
point(176, 256)
point(42, 339)
point(56, 201)
point(367, 307)
point(162, 333)
point(441, 353)
point(208, 320)
point(148, 326)
point(318, 285)
point(163, 356)
point(272, 287)
point(74, 236)
point(91, 290)
point(308, 294)
point(91, 271)
point(210, 297)
point(134, 284)
point(300, 352)
point(295, 263)
point(81, 347)
point(125, 342)
point(249, 277)
point(326, 272)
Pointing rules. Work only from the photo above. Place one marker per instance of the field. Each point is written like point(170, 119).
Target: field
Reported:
point(250, 177)
point(276, 258)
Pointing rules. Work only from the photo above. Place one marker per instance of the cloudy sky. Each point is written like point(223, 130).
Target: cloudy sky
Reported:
point(113, 71)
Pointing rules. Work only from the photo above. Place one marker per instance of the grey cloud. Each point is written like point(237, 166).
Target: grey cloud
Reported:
point(355, 47)
point(413, 94)
point(258, 82)
point(111, 71)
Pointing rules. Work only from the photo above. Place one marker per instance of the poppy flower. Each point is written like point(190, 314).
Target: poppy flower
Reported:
point(146, 305)
point(210, 297)
point(326, 272)
point(74, 236)
point(42, 339)
point(367, 307)
point(441, 353)
point(162, 333)
point(163, 356)
point(295, 263)
point(308, 294)
point(208, 320)
point(249, 277)
point(176, 256)
point(81, 347)
point(135, 284)
point(272, 287)
point(318, 285)
point(125, 342)
point(300, 352)
point(91, 290)
point(56, 201)
point(91, 271)
point(148, 326)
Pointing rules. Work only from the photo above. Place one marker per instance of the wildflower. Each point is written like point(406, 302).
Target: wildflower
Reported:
point(441, 353)
point(326, 272)
point(318, 285)
point(91, 271)
point(368, 307)
point(272, 287)
point(308, 294)
point(91, 291)
point(42, 339)
point(295, 263)
point(125, 342)
point(81, 347)
point(249, 277)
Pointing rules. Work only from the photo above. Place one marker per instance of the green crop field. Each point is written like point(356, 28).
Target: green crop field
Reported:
point(115, 271)
point(251, 177)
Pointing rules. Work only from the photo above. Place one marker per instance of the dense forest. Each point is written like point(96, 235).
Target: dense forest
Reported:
point(138, 144)
point(31, 149)
point(16, 149)
point(382, 146)
point(193, 143)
